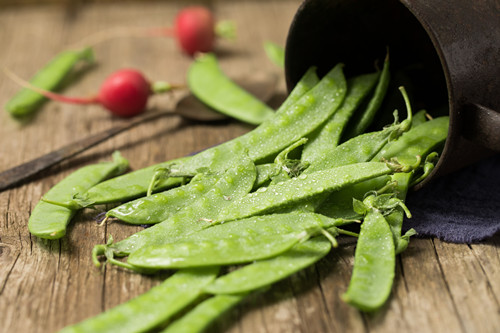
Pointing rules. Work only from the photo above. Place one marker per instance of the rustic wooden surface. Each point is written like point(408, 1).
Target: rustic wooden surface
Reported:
point(45, 285)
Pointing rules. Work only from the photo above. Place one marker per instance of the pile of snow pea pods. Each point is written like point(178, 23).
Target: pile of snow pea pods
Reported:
point(272, 201)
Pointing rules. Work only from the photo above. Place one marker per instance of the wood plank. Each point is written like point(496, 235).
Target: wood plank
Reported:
point(470, 287)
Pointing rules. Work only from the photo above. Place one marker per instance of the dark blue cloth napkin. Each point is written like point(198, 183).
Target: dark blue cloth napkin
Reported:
point(462, 207)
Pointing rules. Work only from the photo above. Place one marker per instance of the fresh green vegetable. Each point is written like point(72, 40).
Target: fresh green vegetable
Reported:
point(209, 84)
point(204, 313)
point(265, 272)
point(375, 256)
point(160, 206)
point(359, 124)
point(50, 216)
point(151, 309)
point(275, 53)
point(327, 137)
point(301, 188)
point(50, 77)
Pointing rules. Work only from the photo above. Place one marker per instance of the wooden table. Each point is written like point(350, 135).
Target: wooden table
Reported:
point(45, 285)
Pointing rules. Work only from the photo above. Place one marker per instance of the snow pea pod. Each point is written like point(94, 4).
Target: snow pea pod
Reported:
point(360, 122)
point(272, 224)
point(135, 184)
point(295, 122)
point(232, 184)
point(265, 272)
point(275, 53)
point(229, 251)
point(160, 206)
point(151, 309)
point(301, 188)
point(49, 220)
point(374, 264)
point(233, 242)
point(417, 142)
point(210, 85)
point(50, 77)
point(361, 148)
point(306, 83)
point(204, 313)
point(327, 137)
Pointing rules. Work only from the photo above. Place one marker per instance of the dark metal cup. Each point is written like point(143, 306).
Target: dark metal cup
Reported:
point(446, 52)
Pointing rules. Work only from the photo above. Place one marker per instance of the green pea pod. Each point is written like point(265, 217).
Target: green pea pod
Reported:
point(228, 251)
point(300, 119)
point(151, 309)
point(359, 123)
point(374, 264)
point(306, 83)
point(300, 189)
point(49, 220)
point(265, 225)
point(210, 85)
point(419, 141)
point(236, 241)
point(361, 148)
point(265, 272)
point(326, 138)
point(275, 53)
point(204, 313)
point(160, 206)
point(50, 77)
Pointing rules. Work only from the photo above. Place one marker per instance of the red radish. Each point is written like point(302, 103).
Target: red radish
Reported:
point(124, 93)
point(195, 30)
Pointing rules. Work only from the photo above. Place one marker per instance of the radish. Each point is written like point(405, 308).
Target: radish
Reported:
point(124, 93)
point(195, 30)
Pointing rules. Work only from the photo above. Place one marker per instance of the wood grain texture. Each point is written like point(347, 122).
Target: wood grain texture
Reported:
point(46, 285)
